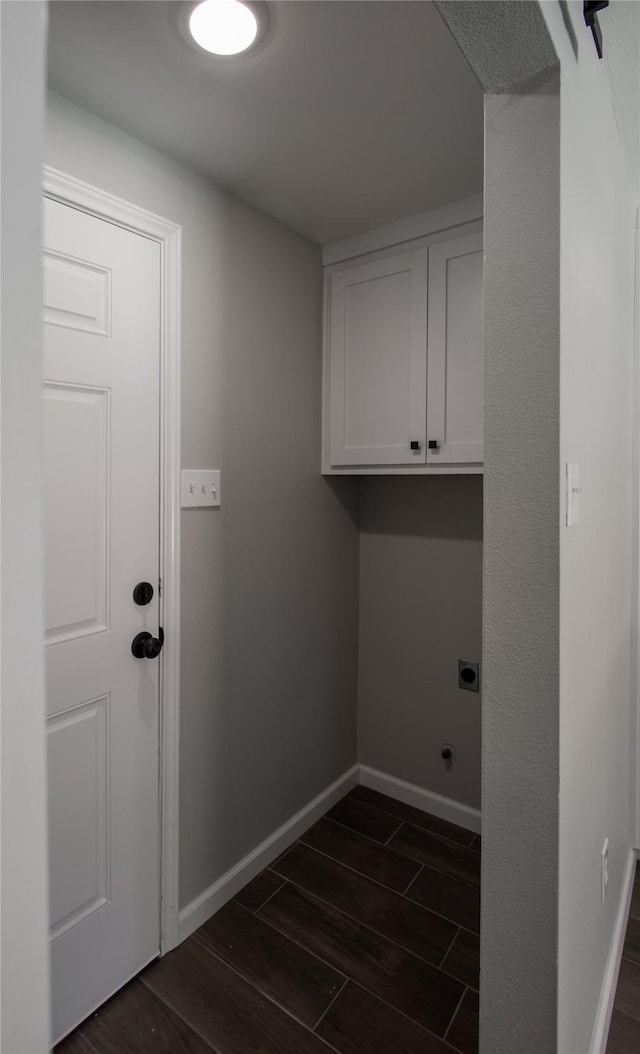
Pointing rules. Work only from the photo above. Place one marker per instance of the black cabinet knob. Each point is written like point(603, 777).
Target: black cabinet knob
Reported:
point(433, 444)
point(144, 646)
point(143, 593)
point(414, 444)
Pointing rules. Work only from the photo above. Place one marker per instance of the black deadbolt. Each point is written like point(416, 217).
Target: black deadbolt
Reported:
point(467, 675)
point(143, 593)
point(144, 646)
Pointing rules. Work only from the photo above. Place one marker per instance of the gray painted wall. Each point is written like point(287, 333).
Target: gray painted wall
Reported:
point(557, 615)
point(598, 217)
point(269, 602)
point(25, 1026)
point(420, 611)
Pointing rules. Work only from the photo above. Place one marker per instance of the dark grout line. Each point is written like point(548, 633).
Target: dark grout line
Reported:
point(260, 907)
point(417, 874)
point(425, 830)
point(407, 1017)
point(401, 824)
point(385, 845)
point(382, 936)
point(265, 995)
point(374, 995)
point(453, 1017)
point(177, 1013)
point(404, 896)
point(351, 830)
point(455, 937)
point(330, 1004)
point(337, 860)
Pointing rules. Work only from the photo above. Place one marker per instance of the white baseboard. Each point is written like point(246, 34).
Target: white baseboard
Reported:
point(612, 969)
point(213, 898)
point(445, 808)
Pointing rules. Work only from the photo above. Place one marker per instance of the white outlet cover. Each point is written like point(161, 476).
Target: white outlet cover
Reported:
point(574, 490)
point(604, 869)
point(200, 488)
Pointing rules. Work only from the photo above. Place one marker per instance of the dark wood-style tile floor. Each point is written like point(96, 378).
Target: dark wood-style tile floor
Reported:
point(624, 1031)
point(362, 939)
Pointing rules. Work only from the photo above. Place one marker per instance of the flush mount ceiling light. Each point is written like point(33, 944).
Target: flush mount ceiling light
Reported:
point(224, 27)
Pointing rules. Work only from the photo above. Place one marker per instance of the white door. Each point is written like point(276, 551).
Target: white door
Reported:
point(101, 501)
point(377, 363)
point(455, 385)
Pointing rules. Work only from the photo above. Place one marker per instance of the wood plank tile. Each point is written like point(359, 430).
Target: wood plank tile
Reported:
point(358, 1022)
point(363, 819)
point(376, 861)
point(389, 914)
point(628, 991)
point(624, 1034)
point(260, 889)
point(463, 960)
point(227, 1011)
point(74, 1044)
point(426, 994)
point(634, 910)
point(135, 1021)
point(408, 813)
point(631, 948)
point(277, 967)
point(446, 896)
point(454, 860)
point(463, 1034)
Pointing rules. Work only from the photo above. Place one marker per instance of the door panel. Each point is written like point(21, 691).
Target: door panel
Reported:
point(76, 425)
point(78, 757)
point(76, 294)
point(378, 341)
point(101, 517)
point(455, 386)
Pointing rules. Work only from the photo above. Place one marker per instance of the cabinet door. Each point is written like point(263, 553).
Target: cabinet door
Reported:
point(455, 382)
point(377, 361)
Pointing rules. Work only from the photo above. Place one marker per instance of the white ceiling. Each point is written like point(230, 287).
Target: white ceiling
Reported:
point(350, 114)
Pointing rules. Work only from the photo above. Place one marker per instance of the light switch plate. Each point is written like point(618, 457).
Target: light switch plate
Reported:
point(574, 490)
point(200, 488)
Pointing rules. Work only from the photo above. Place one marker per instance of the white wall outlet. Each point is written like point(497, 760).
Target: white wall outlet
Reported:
point(604, 870)
point(574, 490)
point(200, 487)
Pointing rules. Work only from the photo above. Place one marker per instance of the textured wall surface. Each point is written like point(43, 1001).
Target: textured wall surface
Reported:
point(269, 602)
point(506, 42)
point(597, 325)
point(420, 611)
point(521, 575)
point(561, 727)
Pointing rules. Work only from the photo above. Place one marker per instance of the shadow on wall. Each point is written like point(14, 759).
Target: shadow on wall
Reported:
point(422, 506)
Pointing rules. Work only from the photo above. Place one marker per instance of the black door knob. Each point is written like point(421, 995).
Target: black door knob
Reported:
point(143, 593)
point(144, 646)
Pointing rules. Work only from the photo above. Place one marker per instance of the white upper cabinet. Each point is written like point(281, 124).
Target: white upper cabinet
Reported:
point(404, 360)
point(378, 344)
point(455, 360)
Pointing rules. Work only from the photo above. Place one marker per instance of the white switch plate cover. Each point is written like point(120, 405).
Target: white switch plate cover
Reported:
point(200, 488)
point(574, 490)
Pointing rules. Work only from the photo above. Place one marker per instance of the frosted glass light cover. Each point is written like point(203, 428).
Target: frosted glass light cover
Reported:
point(223, 27)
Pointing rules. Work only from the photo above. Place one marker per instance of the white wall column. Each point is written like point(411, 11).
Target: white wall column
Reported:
point(24, 965)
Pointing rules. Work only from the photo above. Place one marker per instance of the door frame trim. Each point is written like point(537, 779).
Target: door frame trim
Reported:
point(68, 190)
